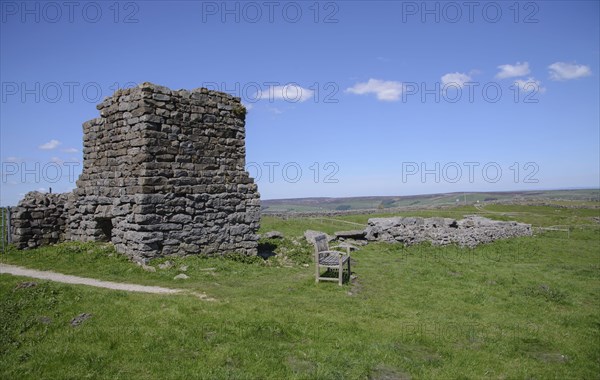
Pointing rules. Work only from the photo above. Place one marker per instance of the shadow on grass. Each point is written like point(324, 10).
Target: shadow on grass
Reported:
point(266, 250)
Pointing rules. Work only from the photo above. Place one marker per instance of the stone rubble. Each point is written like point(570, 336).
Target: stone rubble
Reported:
point(468, 232)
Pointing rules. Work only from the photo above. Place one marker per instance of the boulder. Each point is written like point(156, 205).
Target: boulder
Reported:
point(272, 235)
point(352, 234)
point(310, 236)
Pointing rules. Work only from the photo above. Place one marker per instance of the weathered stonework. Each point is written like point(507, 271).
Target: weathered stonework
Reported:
point(164, 174)
point(39, 219)
point(468, 232)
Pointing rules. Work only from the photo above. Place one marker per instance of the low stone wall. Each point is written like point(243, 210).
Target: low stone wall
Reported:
point(39, 219)
point(468, 232)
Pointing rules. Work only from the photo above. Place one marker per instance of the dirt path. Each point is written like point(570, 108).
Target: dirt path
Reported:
point(68, 279)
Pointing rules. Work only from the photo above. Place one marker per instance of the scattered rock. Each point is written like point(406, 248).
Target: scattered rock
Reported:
point(181, 276)
point(148, 268)
point(45, 320)
point(166, 265)
point(468, 232)
point(183, 268)
point(80, 319)
point(272, 235)
point(25, 285)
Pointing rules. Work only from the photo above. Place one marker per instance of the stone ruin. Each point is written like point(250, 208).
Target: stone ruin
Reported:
point(468, 232)
point(163, 174)
point(39, 219)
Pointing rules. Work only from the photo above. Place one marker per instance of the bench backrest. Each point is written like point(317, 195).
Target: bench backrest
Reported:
point(321, 243)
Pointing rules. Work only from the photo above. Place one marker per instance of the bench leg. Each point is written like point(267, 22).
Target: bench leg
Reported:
point(349, 271)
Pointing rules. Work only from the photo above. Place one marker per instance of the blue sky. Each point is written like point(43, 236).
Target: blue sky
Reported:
point(345, 98)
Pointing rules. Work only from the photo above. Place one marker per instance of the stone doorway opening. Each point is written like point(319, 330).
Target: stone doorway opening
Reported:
point(104, 228)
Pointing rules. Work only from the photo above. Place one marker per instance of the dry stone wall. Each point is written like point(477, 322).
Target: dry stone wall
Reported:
point(164, 174)
point(39, 219)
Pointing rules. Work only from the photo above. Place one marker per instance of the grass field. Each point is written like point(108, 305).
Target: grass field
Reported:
point(519, 308)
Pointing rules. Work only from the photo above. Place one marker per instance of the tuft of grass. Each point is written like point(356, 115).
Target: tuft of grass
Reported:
point(547, 293)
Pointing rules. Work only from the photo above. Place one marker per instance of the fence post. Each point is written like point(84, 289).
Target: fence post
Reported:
point(9, 234)
point(2, 227)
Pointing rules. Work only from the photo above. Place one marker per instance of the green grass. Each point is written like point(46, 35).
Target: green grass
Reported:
point(518, 308)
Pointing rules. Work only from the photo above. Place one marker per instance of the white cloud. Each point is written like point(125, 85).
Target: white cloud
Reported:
point(57, 160)
point(384, 90)
point(290, 93)
point(248, 106)
point(530, 85)
point(566, 71)
point(12, 159)
point(510, 71)
point(275, 110)
point(52, 144)
point(69, 150)
point(458, 79)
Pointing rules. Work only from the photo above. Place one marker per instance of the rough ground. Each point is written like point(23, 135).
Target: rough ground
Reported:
point(68, 279)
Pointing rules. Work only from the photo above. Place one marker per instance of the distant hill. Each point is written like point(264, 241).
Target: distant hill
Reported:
point(582, 197)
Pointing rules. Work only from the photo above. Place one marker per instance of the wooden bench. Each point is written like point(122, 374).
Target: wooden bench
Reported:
point(326, 258)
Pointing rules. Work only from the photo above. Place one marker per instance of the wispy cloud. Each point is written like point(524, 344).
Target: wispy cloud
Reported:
point(530, 85)
point(69, 150)
point(388, 91)
point(510, 71)
point(290, 93)
point(564, 71)
point(52, 144)
point(458, 79)
point(275, 110)
point(57, 160)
